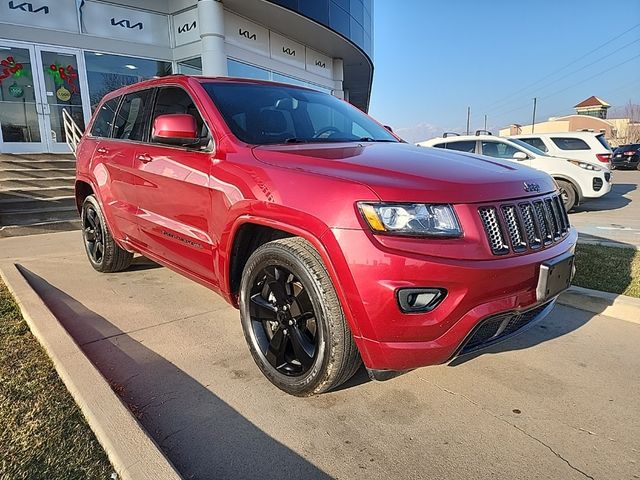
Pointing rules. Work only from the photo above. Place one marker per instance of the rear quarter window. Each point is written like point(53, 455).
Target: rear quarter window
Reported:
point(463, 146)
point(536, 142)
point(104, 118)
point(568, 143)
point(603, 141)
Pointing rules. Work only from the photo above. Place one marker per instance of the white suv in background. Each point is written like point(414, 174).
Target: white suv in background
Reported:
point(576, 179)
point(586, 146)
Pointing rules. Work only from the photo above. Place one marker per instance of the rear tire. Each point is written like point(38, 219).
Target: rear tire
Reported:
point(567, 193)
point(293, 321)
point(103, 252)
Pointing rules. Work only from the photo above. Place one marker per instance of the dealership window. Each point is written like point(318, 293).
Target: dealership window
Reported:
point(106, 72)
point(239, 69)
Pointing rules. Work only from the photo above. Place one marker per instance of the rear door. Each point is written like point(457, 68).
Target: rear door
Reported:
point(112, 170)
point(173, 192)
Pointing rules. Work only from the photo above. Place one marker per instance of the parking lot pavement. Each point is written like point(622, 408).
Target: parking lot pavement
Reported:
point(616, 216)
point(559, 401)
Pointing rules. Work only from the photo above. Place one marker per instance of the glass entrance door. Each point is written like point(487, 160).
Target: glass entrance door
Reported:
point(36, 84)
point(63, 86)
point(21, 121)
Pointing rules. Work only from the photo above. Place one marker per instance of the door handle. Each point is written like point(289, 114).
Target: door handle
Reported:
point(144, 157)
point(102, 150)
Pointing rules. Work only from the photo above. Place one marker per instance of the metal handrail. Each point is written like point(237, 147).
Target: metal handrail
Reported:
point(72, 131)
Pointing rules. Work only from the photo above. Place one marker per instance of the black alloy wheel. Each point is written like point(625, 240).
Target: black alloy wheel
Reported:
point(103, 252)
point(93, 234)
point(292, 320)
point(283, 321)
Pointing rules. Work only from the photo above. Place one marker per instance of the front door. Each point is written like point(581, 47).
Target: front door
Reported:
point(36, 84)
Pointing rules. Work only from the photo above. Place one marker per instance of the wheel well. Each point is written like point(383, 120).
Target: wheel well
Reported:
point(83, 190)
point(575, 188)
point(248, 239)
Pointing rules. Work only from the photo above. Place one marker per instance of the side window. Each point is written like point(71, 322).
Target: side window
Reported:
point(536, 142)
point(468, 146)
point(104, 118)
point(498, 150)
point(567, 143)
point(439, 145)
point(175, 100)
point(132, 116)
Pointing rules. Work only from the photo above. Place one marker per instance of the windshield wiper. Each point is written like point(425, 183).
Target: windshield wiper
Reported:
point(369, 139)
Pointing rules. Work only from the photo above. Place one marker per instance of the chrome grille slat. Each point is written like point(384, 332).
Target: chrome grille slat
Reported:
point(528, 225)
point(513, 228)
point(492, 226)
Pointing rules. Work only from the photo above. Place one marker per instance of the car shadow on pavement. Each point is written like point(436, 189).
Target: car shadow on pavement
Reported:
point(142, 263)
point(202, 435)
point(611, 201)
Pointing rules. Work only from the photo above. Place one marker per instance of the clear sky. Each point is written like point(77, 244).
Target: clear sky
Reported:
point(433, 58)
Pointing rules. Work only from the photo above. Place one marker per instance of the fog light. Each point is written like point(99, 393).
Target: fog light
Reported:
point(417, 300)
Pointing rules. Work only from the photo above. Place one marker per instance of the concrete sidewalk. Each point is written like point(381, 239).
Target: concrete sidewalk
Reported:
point(557, 402)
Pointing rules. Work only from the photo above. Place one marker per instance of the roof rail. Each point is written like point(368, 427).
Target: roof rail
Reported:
point(483, 132)
point(450, 134)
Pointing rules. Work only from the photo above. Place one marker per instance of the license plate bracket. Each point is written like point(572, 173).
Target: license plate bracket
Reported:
point(555, 276)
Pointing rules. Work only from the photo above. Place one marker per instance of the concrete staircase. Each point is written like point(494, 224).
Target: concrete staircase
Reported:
point(37, 194)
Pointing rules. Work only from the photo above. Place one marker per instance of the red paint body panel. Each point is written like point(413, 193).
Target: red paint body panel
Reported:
point(183, 208)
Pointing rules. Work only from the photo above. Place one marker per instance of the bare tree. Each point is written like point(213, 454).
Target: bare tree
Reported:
point(632, 112)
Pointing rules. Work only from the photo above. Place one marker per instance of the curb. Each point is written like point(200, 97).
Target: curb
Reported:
point(604, 303)
point(133, 454)
point(606, 243)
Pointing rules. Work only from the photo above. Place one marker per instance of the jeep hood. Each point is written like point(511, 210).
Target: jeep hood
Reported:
point(406, 173)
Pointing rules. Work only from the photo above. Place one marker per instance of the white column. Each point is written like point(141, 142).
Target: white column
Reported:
point(338, 77)
point(211, 23)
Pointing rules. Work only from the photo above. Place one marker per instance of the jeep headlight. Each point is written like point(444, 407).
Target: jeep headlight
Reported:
point(417, 219)
point(586, 166)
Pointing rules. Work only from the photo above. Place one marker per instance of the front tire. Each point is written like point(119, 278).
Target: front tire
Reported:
point(568, 194)
point(103, 252)
point(292, 319)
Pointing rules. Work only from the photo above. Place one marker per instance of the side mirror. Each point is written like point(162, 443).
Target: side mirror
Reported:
point(389, 128)
point(175, 129)
point(520, 156)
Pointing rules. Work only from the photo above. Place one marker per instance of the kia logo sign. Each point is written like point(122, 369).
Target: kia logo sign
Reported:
point(126, 24)
point(28, 7)
point(247, 34)
point(531, 187)
point(288, 51)
point(187, 27)
point(321, 64)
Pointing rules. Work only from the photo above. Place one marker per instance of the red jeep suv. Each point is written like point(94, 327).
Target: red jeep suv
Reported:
point(338, 242)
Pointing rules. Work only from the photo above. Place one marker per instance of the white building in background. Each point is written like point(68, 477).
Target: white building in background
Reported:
point(57, 54)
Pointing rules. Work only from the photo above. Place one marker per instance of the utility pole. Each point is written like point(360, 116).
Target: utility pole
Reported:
point(468, 118)
point(533, 123)
point(485, 122)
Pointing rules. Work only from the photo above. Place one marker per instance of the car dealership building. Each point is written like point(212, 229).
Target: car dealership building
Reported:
point(66, 54)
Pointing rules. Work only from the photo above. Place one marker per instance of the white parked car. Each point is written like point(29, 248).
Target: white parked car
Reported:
point(586, 146)
point(576, 179)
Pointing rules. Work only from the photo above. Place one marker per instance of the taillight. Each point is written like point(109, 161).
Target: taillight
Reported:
point(603, 157)
point(629, 154)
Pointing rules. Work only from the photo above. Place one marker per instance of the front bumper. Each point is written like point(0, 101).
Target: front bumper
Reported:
point(599, 186)
point(477, 289)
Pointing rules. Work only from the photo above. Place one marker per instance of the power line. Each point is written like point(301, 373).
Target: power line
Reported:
point(605, 57)
point(568, 64)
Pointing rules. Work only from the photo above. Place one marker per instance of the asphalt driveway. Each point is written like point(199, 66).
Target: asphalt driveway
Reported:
point(560, 401)
point(614, 217)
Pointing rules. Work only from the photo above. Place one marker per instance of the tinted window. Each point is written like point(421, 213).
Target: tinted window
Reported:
point(498, 149)
point(566, 143)
point(535, 142)
point(131, 120)
point(104, 118)
point(269, 114)
point(175, 100)
point(464, 146)
point(603, 141)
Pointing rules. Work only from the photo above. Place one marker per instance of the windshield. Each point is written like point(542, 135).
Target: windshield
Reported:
point(536, 151)
point(271, 114)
